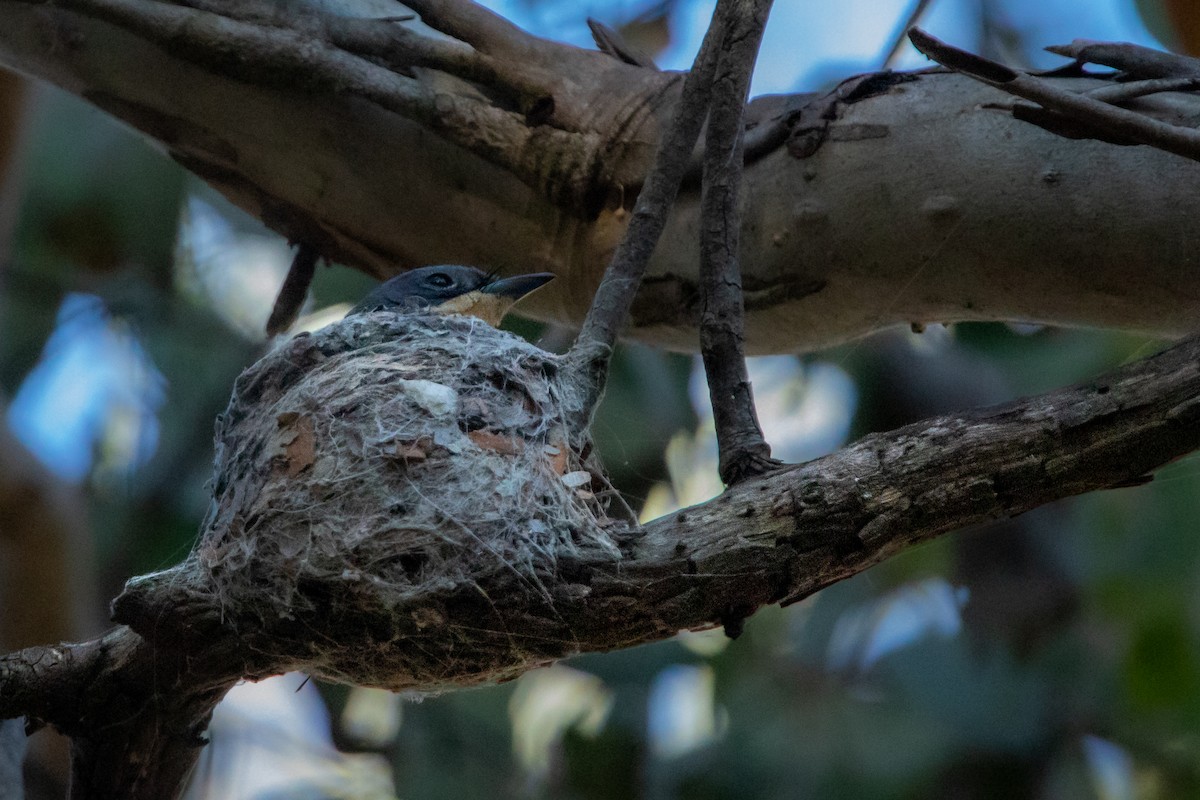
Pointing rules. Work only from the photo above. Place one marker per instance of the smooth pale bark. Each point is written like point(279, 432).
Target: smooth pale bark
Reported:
point(923, 202)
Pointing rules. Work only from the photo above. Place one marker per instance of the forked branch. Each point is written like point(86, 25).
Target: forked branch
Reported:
point(1080, 114)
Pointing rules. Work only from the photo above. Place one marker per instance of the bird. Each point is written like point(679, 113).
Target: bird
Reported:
point(452, 289)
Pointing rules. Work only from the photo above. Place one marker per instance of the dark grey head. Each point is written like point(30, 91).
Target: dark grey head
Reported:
point(451, 289)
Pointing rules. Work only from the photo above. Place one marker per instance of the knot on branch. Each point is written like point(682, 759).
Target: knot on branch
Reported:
point(370, 479)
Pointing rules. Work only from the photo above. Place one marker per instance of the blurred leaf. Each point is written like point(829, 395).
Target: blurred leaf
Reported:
point(606, 767)
point(1161, 666)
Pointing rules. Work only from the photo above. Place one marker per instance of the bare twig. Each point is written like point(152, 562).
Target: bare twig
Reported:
point(294, 290)
point(611, 304)
point(1131, 90)
point(612, 42)
point(901, 36)
point(1117, 123)
point(743, 450)
point(1142, 62)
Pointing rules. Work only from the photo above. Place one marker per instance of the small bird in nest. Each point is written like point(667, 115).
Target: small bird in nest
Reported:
point(451, 289)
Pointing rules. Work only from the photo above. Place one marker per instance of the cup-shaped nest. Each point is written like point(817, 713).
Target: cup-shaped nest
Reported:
point(370, 478)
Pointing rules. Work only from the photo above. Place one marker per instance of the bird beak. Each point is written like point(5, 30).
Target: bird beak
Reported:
point(518, 286)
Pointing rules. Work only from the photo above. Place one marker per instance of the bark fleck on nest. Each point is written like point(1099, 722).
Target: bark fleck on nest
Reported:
point(380, 461)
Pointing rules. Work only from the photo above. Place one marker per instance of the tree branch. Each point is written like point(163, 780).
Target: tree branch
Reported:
point(247, 49)
point(743, 450)
point(1116, 124)
point(135, 711)
point(1124, 92)
point(773, 539)
point(611, 305)
point(837, 177)
point(1132, 58)
point(294, 290)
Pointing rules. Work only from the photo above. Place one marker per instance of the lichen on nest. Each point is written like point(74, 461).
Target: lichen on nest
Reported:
point(367, 468)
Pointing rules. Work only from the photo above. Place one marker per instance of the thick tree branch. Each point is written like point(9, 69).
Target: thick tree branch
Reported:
point(136, 713)
point(773, 539)
point(888, 204)
point(743, 450)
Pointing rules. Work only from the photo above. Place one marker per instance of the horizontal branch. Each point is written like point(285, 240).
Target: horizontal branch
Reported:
point(787, 535)
point(773, 539)
point(858, 215)
point(136, 711)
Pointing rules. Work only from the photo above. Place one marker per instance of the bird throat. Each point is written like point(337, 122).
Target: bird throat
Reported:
point(488, 307)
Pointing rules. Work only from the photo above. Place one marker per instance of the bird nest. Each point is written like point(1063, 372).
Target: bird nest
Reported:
point(365, 470)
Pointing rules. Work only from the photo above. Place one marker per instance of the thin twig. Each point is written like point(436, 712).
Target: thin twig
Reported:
point(1113, 121)
point(294, 289)
point(901, 35)
point(1124, 92)
point(1135, 59)
point(610, 306)
point(612, 42)
point(743, 450)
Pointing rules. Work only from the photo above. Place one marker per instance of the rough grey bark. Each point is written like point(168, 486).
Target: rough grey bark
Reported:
point(135, 706)
point(742, 450)
point(913, 198)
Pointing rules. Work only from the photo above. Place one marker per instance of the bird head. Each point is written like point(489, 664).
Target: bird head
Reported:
point(451, 289)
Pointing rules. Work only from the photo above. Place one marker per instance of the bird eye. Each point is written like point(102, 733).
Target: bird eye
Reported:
point(439, 279)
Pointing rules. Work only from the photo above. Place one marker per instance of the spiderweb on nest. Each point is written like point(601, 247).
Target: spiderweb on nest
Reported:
point(368, 469)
